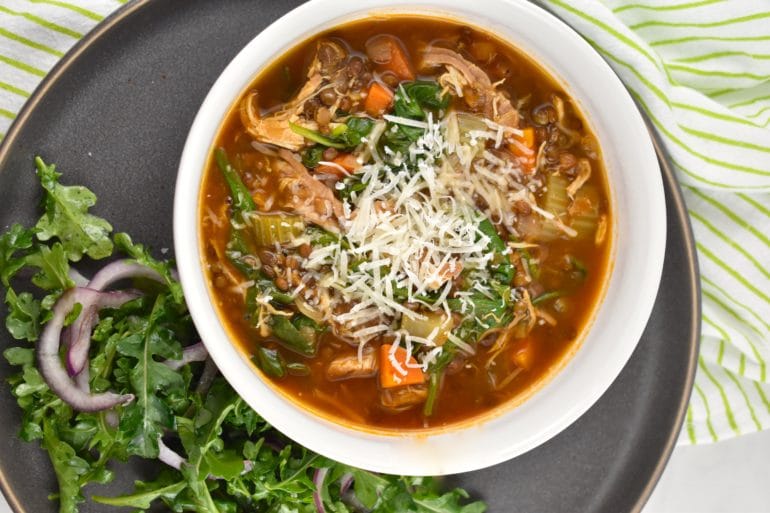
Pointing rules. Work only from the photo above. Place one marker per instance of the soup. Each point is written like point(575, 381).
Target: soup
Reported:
point(405, 223)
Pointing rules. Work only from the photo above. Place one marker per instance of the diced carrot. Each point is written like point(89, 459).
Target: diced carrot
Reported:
point(378, 100)
point(389, 55)
point(524, 148)
point(523, 353)
point(347, 161)
point(399, 62)
point(390, 376)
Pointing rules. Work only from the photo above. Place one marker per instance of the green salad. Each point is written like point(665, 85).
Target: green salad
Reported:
point(109, 368)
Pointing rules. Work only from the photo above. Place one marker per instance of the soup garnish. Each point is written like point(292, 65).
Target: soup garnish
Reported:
point(406, 223)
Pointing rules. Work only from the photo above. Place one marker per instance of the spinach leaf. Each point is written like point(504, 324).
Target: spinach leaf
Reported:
point(298, 334)
point(503, 270)
point(412, 100)
point(426, 94)
point(312, 155)
point(343, 137)
point(271, 362)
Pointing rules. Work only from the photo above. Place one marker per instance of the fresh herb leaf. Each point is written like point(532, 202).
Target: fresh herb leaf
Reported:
point(16, 239)
point(343, 137)
point(142, 255)
point(159, 390)
point(144, 496)
point(23, 319)
point(426, 94)
point(54, 267)
point(296, 334)
point(67, 218)
point(312, 155)
point(68, 466)
point(271, 362)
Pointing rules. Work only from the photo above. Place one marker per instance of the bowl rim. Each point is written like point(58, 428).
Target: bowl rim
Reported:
point(415, 453)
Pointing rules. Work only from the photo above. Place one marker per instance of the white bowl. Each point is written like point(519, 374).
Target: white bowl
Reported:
point(639, 241)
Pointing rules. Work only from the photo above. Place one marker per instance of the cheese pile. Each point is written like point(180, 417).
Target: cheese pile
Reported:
point(413, 229)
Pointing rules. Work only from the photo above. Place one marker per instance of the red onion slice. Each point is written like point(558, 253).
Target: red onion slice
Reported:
point(169, 456)
point(318, 480)
point(193, 353)
point(345, 481)
point(122, 270)
point(51, 367)
point(80, 331)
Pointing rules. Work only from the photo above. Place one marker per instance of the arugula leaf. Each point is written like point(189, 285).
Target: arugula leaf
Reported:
point(368, 486)
point(449, 502)
point(144, 496)
point(17, 238)
point(201, 440)
point(144, 420)
point(68, 466)
point(23, 319)
point(67, 218)
point(142, 255)
point(54, 266)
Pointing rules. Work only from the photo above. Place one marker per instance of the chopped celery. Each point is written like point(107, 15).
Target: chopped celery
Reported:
point(466, 123)
point(424, 328)
point(269, 229)
point(585, 211)
point(556, 200)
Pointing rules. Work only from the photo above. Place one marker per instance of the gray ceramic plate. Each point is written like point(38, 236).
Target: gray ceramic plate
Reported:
point(114, 116)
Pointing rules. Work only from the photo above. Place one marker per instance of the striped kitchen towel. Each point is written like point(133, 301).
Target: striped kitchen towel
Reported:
point(700, 70)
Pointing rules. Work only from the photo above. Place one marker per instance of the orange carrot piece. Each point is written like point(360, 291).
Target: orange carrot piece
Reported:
point(399, 62)
point(346, 161)
point(527, 140)
point(378, 100)
point(390, 377)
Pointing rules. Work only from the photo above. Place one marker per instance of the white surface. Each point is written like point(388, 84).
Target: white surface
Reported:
point(729, 477)
point(639, 216)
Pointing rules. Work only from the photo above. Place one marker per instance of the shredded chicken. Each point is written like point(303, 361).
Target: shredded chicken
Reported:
point(584, 173)
point(473, 84)
point(275, 128)
point(305, 195)
point(348, 367)
point(403, 398)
